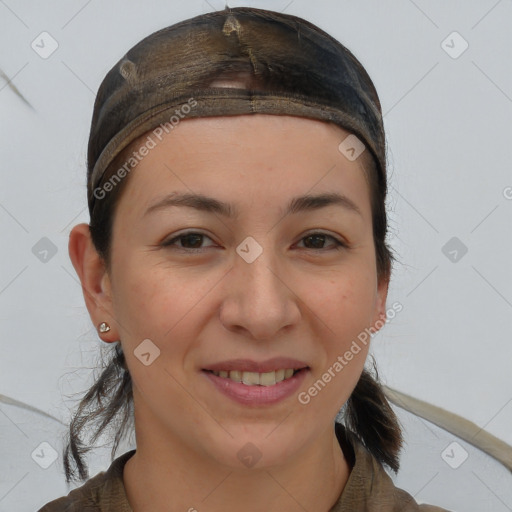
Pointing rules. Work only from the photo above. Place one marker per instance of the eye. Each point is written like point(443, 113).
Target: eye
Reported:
point(190, 238)
point(317, 240)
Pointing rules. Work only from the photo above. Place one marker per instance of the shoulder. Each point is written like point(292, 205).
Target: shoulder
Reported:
point(369, 487)
point(86, 498)
point(101, 493)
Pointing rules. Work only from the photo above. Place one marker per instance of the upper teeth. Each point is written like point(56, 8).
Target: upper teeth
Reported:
point(254, 378)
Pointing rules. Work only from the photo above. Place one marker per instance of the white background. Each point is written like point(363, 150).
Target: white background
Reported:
point(448, 123)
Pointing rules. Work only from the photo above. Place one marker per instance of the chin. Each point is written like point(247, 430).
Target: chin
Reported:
point(254, 451)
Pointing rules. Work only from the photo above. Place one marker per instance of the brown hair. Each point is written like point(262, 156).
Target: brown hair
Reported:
point(367, 414)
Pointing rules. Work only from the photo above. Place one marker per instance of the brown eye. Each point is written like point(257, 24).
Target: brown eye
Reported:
point(191, 241)
point(316, 241)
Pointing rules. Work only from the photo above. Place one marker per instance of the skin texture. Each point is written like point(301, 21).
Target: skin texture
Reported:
point(299, 299)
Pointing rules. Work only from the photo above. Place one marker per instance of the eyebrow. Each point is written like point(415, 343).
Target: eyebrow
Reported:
point(297, 204)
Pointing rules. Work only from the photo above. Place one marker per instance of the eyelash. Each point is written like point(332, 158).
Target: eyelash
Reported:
point(172, 245)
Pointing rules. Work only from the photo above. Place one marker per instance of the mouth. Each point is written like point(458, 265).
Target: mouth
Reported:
point(257, 384)
point(270, 378)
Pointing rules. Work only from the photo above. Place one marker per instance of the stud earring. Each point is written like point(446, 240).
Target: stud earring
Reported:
point(103, 327)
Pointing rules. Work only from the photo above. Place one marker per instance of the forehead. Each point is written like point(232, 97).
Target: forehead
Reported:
point(237, 158)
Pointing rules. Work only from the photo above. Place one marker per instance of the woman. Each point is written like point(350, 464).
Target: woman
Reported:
point(236, 257)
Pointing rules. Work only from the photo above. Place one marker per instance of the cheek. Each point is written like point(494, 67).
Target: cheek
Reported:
point(151, 303)
point(344, 304)
point(156, 303)
point(344, 308)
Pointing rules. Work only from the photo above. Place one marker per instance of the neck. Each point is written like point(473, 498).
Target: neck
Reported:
point(166, 474)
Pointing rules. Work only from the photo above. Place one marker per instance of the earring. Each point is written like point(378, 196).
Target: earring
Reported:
point(103, 327)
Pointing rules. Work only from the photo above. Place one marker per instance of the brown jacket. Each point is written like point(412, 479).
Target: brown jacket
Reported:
point(368, 489)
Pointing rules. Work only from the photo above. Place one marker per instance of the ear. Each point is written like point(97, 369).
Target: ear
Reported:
point(96, 285)
point(380, 316)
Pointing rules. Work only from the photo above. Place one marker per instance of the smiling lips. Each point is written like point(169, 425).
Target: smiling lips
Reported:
point(255, 378)
point(252, 373)
point(253, 383)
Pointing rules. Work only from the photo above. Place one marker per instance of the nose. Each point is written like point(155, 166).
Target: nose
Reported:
point(258, 299)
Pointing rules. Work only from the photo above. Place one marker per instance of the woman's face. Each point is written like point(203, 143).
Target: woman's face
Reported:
point(246, 288)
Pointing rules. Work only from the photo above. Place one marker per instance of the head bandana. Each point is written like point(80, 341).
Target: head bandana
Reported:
point(232, 62)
